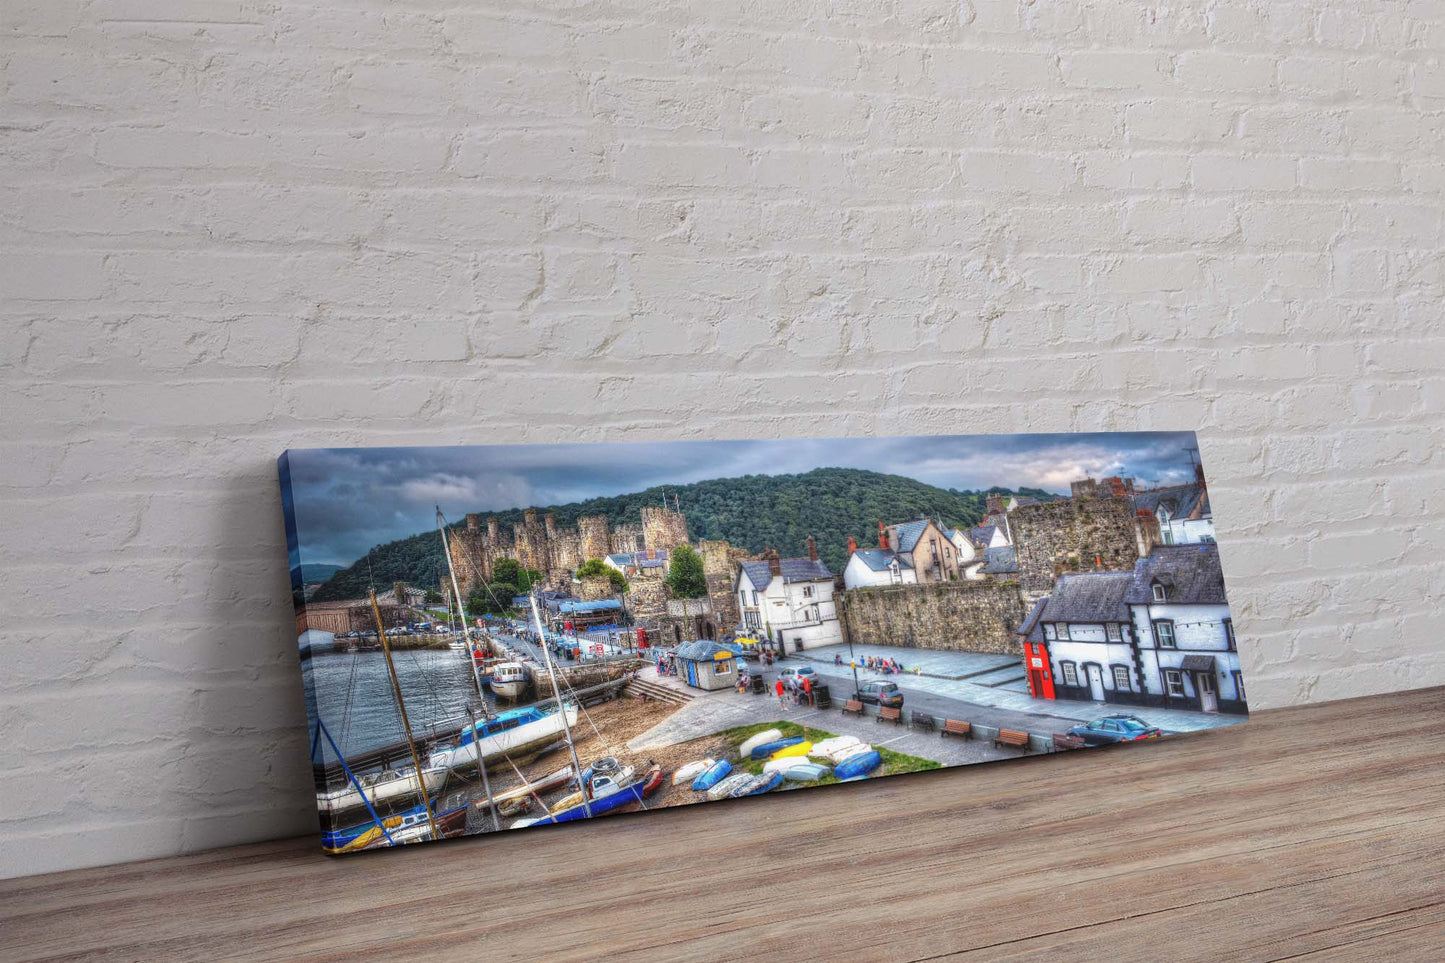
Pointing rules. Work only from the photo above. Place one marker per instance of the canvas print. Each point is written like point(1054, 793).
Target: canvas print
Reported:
point(506, 637)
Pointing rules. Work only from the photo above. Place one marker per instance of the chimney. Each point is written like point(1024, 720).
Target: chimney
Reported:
point(993, 504)
point(474, 522)
point(812, 549)
point(852, 545)
point(775, 564)
point(882, 536)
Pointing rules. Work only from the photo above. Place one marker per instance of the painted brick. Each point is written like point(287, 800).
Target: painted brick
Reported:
point(231, 227)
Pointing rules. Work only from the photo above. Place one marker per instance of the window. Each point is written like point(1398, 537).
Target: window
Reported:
point(1174, 681)
point(1164, 632)
point(1114, 631)
point(1121, 678)
point(1071, 673)
point(722, 668)
point(1239, 684)
point(1063, 631)
point(755, 596)
point(1160, 594)
point(1229, 633)
point(1050, 632)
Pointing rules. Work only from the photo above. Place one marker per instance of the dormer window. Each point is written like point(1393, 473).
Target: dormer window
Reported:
point(1161, 593)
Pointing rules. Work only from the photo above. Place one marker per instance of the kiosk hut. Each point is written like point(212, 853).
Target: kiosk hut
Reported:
point(708, 665)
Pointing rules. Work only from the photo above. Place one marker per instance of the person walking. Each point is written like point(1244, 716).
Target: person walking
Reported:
point(807, 691)
point(782, 702)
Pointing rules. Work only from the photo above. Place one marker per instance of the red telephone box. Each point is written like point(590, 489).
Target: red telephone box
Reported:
point(1036, 664)
point(642, 638)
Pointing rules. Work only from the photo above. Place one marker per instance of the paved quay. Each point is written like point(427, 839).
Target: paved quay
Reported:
point(711, 712)
point(950, 678)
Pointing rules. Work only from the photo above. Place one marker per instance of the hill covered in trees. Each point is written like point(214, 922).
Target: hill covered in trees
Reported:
point(751, 512)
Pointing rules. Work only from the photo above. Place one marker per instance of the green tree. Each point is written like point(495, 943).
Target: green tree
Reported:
point(495, 598)
point(508, 572)
point(684, 574)
point(433, 597)
point(595, 566)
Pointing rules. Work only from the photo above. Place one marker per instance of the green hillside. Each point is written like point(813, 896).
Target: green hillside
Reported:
point(750, 512)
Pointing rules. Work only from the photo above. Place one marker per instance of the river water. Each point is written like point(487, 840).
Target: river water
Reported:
point(353, 695)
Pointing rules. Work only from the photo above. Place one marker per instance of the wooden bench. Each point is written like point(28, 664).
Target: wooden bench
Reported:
point(854, 706)
point(1012, 737)
point(920, 720)
point(894, 716)
point(1064, 741)
point(955, 727)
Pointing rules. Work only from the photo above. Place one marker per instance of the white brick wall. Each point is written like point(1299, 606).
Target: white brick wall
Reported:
point(234, 226)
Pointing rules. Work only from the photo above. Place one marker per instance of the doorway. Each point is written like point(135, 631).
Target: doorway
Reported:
point(1208, 697)
point(1096, 683)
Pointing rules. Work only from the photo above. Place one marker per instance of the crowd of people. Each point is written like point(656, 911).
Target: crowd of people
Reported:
point(887, 666)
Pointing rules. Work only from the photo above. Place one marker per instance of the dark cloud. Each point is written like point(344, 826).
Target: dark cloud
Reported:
point(349, 499)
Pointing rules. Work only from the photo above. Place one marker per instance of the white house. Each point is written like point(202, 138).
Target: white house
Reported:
point(789, 601)
point(1183, 511)
point(1160, 635)
point(878, 566)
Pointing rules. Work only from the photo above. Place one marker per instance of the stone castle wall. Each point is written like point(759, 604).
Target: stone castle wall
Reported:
point(959, 616)
point(719, 566)
point(543, 545)
point(1072, 534)
point(663, 528)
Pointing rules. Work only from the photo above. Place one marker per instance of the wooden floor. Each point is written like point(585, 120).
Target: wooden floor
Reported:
point(1313, 833)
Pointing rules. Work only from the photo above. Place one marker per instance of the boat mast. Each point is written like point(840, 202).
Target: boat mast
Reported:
point(561, 709)
point(457, 594)
point(405, 722)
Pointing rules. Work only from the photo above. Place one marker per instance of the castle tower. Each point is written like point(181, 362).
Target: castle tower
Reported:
point(531, 542)
point(550, 520)
point(663, 528)
point(474, 522)
point(719, 570)
point(494, 530)
point(595, 539)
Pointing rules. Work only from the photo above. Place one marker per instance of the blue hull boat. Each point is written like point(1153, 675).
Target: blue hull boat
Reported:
point(712, 775)
point(606, 804)
point(768, 748)
point(773, 780)
point(857, 766)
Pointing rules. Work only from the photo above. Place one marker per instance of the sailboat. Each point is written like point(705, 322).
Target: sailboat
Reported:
point(513, 732)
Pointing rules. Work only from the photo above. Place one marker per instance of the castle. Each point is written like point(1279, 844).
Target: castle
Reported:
point(639, 550)
point(554, 551)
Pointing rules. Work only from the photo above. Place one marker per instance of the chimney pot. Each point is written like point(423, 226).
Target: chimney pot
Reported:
point(852, 545)
point(812, 549)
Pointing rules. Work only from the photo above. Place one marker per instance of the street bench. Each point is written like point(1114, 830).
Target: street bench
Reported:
point(1064, 741)
point(1017, 738)
point(921, 720)
point(955, 727)
point(894, 716)
point(853, 706)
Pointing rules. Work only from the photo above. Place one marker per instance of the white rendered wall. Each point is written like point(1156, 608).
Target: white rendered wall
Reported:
point(233, 226)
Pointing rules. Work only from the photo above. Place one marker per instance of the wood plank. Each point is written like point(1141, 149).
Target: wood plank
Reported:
point(1318, 830)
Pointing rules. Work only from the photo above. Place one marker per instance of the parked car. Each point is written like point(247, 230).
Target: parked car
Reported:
point(880, 694)
point(793, 676)
point(1116, 728)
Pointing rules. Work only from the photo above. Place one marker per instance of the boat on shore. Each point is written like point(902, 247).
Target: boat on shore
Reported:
point(533, 788)
point(513, 732)
point(381, 788)
point(604, 792)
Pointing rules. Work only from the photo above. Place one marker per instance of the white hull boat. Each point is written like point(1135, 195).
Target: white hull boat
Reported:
point(511, 733)
point(380, 788)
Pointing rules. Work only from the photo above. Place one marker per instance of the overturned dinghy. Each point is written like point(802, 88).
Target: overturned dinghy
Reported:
point(752, 742)
point(806, 772)
point(691, 771)
point(858, 766)
point(730, 786)
point(711, 776)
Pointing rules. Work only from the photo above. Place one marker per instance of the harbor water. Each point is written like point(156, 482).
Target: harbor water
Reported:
point(355, 700)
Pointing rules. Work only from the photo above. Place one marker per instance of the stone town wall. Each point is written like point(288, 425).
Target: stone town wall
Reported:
point(1072, 534)
point(552, 550)
point(663, 528)
point(720, 568)
point(960, 616)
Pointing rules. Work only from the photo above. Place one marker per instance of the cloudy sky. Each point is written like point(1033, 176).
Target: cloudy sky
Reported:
point(348, 499)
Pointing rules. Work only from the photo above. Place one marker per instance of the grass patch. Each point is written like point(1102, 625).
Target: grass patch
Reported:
point(894, 763)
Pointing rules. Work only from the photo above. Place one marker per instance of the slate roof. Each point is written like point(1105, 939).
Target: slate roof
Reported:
point(878, 559)
point(1001, 561)
point(1192, 573)
point(1022, 500)
point(1181, 500)
point(794, 570)
point(909, 533)
point(982, 534)
point(1090, 597)
point(704, 651)
point(640, 559)
point(1033, 628)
